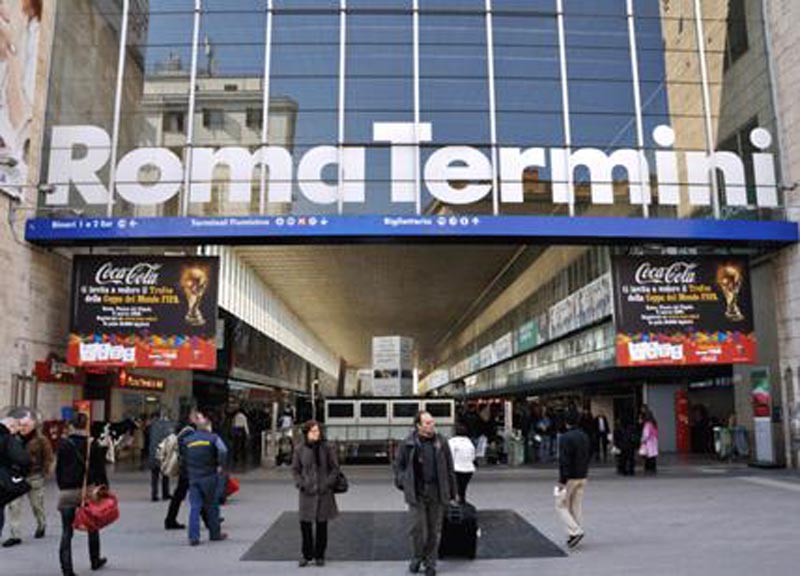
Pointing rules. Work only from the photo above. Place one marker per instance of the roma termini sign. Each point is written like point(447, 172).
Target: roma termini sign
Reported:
point(457, 175)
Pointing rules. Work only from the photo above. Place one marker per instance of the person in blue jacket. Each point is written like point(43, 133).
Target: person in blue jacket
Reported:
point(204, 455)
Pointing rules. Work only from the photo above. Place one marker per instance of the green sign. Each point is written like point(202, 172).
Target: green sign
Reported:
point(528, 336)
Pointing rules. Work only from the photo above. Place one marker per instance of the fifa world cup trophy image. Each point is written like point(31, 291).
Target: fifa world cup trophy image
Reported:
point(729, 280)
point(194, 281)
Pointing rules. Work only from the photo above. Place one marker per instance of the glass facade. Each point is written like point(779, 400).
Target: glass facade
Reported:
point(556, 107)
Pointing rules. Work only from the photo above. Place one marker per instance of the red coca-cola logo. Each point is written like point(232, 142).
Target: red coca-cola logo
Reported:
point(675, 273)
point(140, 274)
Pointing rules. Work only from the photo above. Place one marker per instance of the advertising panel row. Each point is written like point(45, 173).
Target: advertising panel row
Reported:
point(144, 311)
point(583, 308)
point(683, 310)
point(590, 349)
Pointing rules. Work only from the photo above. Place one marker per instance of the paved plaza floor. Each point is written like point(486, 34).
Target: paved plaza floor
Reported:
point(693, 518)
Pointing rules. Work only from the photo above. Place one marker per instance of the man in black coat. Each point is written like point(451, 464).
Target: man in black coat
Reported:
point(574, 452)
point(13, 452)
point(423, 469)
point(14, 458)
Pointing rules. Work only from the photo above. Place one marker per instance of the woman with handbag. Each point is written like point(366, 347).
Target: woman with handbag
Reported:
point(315, 468)
point(73, 472)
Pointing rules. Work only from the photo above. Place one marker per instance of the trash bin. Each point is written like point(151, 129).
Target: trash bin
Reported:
point(515, 450)
point(723, 444)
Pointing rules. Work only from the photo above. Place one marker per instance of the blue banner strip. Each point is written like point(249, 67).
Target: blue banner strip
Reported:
point(523, 229)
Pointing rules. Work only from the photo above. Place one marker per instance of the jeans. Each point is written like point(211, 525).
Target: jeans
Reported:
point(178, 496)
point(203, 498)
point(65, 549)
point(546, 448)
point(154, 475)
point(311, 548)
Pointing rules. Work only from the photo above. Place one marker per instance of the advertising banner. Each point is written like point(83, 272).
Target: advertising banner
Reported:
point(57, 371)
point(582, 308)
point(760, 390)
point(144, 311)
point(528, 335)
point(19, 57)
point(504, 347)
point(256, 356)
point(683, 310)
point(392, 366)
point(760, 393)
point(487, 356)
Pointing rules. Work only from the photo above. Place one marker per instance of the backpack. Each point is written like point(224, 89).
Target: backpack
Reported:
point(168, 455)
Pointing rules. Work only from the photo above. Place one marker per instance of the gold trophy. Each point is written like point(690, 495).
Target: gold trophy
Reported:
point(729, 280)
point(194, 281)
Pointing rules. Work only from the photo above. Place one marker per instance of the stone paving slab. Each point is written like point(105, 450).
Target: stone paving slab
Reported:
point(688, 520)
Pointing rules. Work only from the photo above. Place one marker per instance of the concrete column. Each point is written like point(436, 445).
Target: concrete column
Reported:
point(781, 17)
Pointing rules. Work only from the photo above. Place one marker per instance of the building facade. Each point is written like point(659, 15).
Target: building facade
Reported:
point(642, 111)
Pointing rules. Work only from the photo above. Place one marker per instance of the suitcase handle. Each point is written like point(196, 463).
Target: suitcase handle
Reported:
point(455, 513)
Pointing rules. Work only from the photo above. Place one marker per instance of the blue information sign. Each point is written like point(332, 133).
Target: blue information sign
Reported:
point(287, 229)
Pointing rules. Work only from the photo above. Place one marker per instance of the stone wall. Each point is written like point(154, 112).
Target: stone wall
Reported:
point(34, 283)
point(785, 37)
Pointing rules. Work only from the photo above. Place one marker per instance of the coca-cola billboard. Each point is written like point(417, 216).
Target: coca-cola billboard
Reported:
point(674, 310)
point(144, 311)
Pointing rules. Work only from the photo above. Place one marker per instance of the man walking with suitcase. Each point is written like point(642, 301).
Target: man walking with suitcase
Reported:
point(574, 453)
point(423, 470)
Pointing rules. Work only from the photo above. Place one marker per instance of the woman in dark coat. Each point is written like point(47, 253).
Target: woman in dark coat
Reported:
point(70, 470)
point(315, 468)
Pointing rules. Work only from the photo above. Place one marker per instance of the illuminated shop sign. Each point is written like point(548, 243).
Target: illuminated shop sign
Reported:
point(54, 370)
point(136, 382)
point(457, 175)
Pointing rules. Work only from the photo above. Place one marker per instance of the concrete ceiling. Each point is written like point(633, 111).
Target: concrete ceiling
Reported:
point(348, 294)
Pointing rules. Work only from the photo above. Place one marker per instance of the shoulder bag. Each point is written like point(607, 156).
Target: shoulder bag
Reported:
point(99, 506)
point(340, 484)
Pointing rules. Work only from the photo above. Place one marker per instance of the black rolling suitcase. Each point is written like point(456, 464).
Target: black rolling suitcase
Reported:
point(459, 532)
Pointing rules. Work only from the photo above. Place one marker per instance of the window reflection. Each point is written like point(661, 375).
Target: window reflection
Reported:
point(378, 87)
